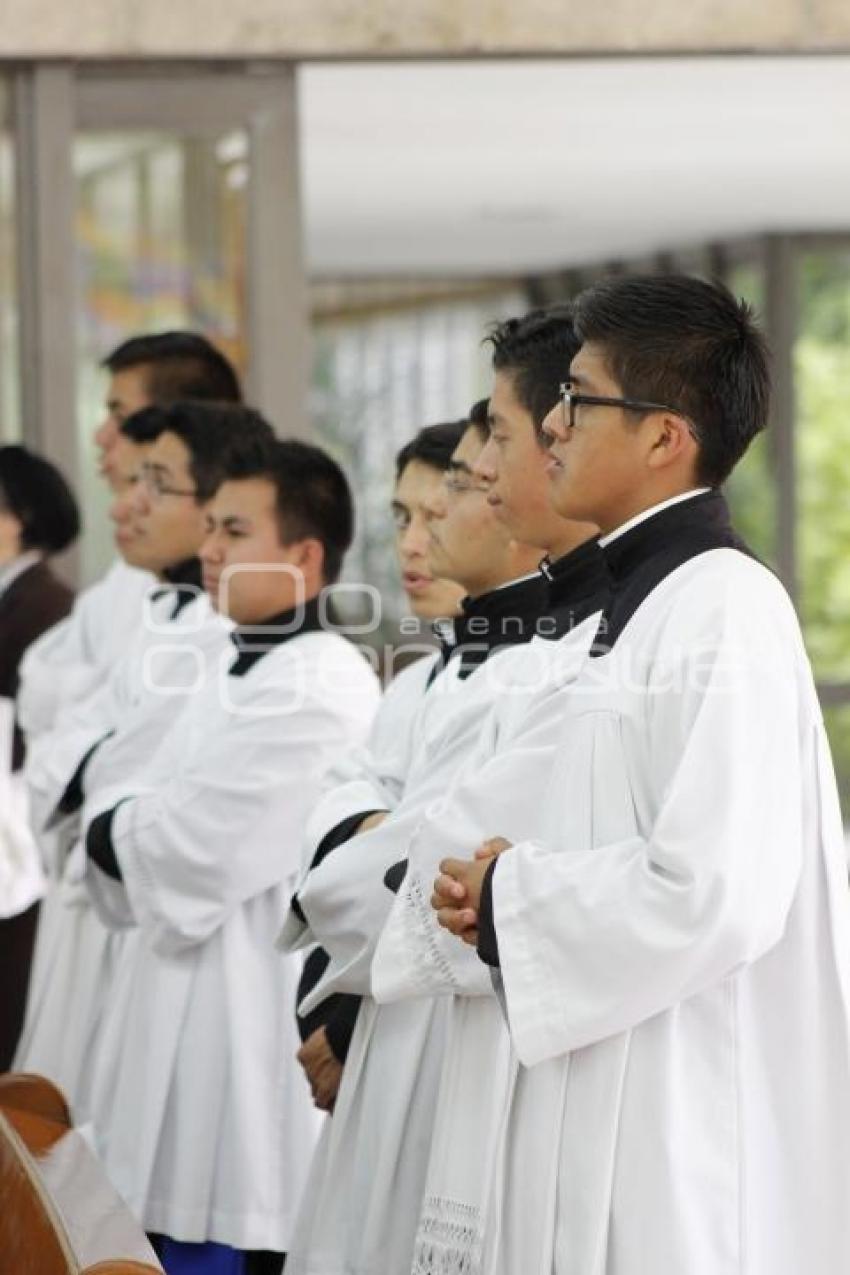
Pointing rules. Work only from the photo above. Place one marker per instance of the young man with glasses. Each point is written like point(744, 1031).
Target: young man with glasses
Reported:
point(70, 661)
point(172, 459)
point(671, 938)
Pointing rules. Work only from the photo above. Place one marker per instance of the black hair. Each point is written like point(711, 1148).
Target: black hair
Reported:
point(34, 491)
point(536, 352)
point(691, 345)
point(313, 497)
point(479, 417)
point(179, 365)
point(433, 445)
point(211, 432)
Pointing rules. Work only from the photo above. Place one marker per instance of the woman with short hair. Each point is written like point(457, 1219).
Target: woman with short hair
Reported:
point(38, 518)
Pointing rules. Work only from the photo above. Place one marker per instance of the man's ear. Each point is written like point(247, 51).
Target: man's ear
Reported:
point(309, 556)
point(672, 442)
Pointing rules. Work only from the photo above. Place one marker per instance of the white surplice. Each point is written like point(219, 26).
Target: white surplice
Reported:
point(499, 790)
point(675, 957)
point(21, 874)
point(75, 954)
point(373, 777)
point(363, 1200)
point(67, 663)
point(200, 1113)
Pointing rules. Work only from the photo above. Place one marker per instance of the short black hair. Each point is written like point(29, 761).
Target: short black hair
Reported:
point(536, 352)
point(433, 445)
point(211, 432)
point(313, 497)
point(34, 491)
point(690, 344)
point(479, 417)
point(179, 365)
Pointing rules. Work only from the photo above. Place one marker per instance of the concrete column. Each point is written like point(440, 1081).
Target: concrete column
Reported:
point(278, 305)
point(45, 242)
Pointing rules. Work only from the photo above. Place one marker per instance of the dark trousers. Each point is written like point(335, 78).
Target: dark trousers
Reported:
point(17, 940)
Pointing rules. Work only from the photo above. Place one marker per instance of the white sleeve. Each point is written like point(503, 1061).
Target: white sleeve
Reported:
point(500, 793)
point(65, 665)
point(372, 777)
point(228, 825)
point(596, 935)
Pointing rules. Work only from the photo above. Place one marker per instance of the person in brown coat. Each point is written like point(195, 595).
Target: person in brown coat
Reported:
point(38, 518)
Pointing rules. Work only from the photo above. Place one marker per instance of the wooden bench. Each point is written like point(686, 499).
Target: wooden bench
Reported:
point(58, 1213)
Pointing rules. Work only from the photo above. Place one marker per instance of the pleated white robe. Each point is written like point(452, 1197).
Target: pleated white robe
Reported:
point(499, 790)
point(373, 777)
point(362, 1204)
point(200, 1113)
point(675, 956)
point(75, 954)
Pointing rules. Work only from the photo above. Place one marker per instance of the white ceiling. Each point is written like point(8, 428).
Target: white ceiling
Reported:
point(507, 167)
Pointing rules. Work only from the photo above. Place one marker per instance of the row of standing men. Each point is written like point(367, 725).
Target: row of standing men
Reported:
point(571, 895)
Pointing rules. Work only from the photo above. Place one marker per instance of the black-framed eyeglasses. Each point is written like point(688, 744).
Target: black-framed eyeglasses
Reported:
point(157, 487)
point(459, 485)
point(571, 401)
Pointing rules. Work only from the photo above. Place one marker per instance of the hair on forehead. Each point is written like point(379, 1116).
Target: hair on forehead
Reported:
point(178, 365)
point(536, 351)
point(690, 344)
point(212, 433)
point(312, 497)
point(432, 445)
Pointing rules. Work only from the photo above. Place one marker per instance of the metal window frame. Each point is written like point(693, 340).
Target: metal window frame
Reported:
point(51, 102)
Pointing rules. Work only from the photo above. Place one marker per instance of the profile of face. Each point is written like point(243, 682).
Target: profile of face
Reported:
point(167, 522)
point(126, 393)
point(430, 597)
point(10, 534)
point(514, 463)
point(468, 542)
point(249, 574)
point(611, 464)
point(129, 459)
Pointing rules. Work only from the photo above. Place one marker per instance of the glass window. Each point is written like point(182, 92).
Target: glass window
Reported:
point(10, 409)
point(823, 457)
point(161, 244)
point(379, 379)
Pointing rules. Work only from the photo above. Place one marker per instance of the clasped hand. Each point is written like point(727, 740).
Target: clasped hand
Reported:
point(457, 890)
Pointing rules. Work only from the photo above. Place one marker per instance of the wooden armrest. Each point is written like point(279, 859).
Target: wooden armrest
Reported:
point(61, 1215)
point(122, 1268)
point(22, 1092)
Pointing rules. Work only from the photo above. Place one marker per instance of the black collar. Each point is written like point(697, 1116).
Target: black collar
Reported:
point(253, 641)
point(183, 580)
point(640, 559)
point(501, 617)
point(577, 585)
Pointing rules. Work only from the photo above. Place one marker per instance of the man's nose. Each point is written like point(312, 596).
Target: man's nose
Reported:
point(554, 425)
point(414, 542)
point(210, 550)
point(119, 510)
point(484, 466)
